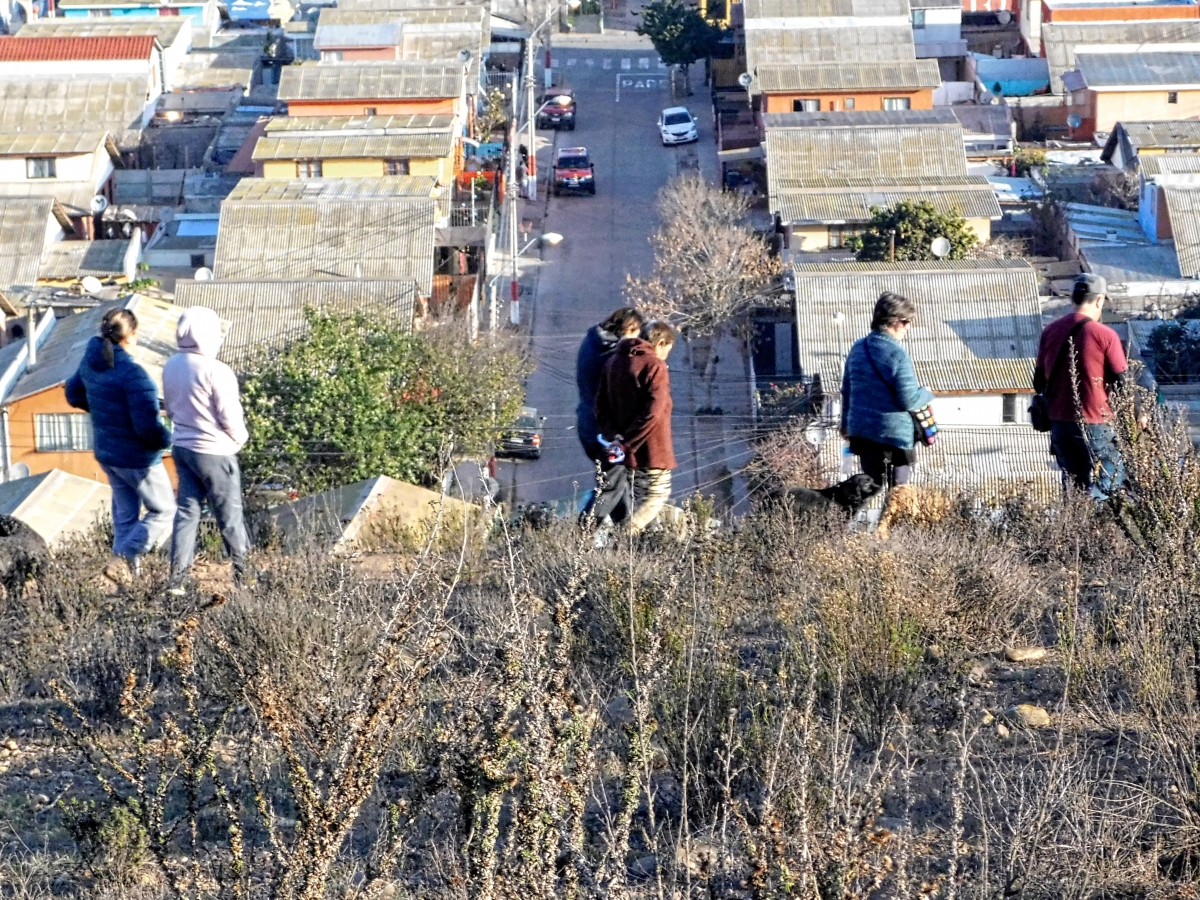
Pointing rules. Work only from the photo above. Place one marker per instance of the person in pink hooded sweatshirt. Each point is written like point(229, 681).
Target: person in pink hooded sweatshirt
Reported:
point(200, 395)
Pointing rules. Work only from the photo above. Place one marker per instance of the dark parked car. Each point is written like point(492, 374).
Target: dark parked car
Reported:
point(524, 438)
point(558, 109)
point(573, 171)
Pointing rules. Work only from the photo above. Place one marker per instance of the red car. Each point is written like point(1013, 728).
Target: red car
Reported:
point(573, 171)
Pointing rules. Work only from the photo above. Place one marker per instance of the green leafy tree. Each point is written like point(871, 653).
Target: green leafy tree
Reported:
point(916, 224)
point(356, 397)
point(680, 34)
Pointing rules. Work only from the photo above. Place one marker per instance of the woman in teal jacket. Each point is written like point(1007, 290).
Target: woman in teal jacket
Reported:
point(879, 392)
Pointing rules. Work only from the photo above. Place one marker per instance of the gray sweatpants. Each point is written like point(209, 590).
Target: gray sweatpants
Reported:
point(219, 480)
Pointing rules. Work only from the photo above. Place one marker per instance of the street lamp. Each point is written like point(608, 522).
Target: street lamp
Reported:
point(553, 239)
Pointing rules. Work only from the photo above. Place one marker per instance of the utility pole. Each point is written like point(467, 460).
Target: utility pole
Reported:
point(512, 194)
point(531, 111)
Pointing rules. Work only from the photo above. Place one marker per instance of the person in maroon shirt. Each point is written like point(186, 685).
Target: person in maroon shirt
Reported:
point(1076, 386)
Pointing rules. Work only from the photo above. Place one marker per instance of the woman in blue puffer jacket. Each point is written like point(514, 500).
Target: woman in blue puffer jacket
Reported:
point(879, 393)
point(129, 438)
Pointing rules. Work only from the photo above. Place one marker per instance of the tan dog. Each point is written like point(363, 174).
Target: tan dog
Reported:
point(918, 506)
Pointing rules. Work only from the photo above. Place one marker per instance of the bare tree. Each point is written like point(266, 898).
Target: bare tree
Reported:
point(710, 267)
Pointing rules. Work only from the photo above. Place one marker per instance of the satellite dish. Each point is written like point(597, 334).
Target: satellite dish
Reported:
point(126, 213)
point(91, 284)
point(940, 247)
point(745, 79)
point(464, 56)
point(99, 204)
point(1074, 121)
point(204, 273)
point(18, 470)
point(1004, 17)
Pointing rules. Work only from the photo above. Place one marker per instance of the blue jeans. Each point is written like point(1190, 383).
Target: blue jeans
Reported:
point(219, 480)
point(134, 534)
point(1089, 456)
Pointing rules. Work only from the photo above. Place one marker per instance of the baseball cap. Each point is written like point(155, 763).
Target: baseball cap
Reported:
point(1089, 287)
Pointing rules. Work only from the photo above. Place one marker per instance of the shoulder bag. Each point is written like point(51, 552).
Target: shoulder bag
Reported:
point(1039, 407)
point(925, 426)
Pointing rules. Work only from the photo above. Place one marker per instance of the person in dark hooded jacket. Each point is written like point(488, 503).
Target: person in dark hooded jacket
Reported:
point(611, 501)
point(129, 438)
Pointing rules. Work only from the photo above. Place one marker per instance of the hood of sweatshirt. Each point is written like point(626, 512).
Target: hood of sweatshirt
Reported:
point(635, 347)
point(199, 331)
point(93, 356)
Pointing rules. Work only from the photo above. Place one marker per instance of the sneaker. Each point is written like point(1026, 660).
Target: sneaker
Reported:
point(119, 571)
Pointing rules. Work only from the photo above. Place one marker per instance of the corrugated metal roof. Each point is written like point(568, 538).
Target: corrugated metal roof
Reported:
point(1183, 205)
point(921, 73)
point(311, 189)
point(332, 15)
point(75, 197)
point(896, 152)
point(56, 504)
point(1101, 70)
point(988, 463)
point(977, 325)
point(50, 144)
point(64, 260)
point(370, 81)
point(788, 9)
point(1181, 133)
point(379, 34)
point(22, 233)
point(359, 124)
point(806, 44)
point(166, 28)
point(317, 146)
point(1060, 39)
point(267, 315)
point(76, 103)
point(408, 4)
point(60, 355)
point(327, 240)
point(203, 69)
point(1152, 164)
point(23, 49)
point(843, 206)
point(940, 115)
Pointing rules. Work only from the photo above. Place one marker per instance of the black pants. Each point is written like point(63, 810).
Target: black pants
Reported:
point(887, 465)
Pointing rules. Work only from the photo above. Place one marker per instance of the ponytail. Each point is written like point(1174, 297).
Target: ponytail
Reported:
point(115, 328)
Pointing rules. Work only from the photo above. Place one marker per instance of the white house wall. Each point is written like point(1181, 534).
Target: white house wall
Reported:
point(977, 409)
point(91, 168)
point(940, 25)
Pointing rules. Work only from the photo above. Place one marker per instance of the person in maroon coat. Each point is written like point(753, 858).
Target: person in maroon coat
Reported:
point(633, 408)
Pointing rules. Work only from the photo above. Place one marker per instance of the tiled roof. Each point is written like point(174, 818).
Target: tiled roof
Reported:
point(1152, 164)
point(64, 260)
point(50, 143)
point(1183, 205)
point(322, 240)
point(830, 205)
point(921, 73)
point(977, 329)
point(76, 103)
point(796, 155)
point(22, 233)
point(403, 145)
point(1060, 40)
point(293, 189)
point(267, 315)
point(28, 49)
point(166, 28)
point(1100, 70)
point(994, 462)
point(370, 81)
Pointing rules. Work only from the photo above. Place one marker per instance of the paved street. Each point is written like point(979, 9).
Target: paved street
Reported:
point(581, 280)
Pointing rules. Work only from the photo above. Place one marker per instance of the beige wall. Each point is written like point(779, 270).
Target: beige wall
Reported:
point(864, 101)
point(1143, 106)
point(816, 237)
point(442, 169)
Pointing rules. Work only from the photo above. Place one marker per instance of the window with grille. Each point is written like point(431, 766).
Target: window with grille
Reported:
point(370, 110)
point(1172, 97)
point(60, 432)
point(893, 103)
point(40, 167)
point(331, 56)
point(918, 17)
point(397, 166)
point(1008, 409)
point(308, 168)
point(839, 233)
point(849, 103)
point(806, 106)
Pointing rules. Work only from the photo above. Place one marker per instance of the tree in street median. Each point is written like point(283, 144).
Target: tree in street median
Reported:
point(680, 34)
point(916, 223)
point(357, 397)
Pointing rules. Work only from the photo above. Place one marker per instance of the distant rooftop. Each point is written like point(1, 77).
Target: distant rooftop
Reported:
point(308, 189)
point(906, 75)
point(370, 81)
point(76, 103)
point(1062, 40)
point(50, 49)
point(1101, 71)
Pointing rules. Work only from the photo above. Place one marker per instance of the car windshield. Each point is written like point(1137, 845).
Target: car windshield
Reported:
point(572, 162)
point(679, 118)
point(559, 99)
point(527, 423)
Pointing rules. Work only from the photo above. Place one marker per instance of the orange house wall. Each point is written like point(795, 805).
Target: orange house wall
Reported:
point(863, 101)
point(24, 439)
point(301, 108)
point(1119, 13)
point(357, 54)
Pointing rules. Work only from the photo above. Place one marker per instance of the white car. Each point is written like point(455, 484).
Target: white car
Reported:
point(677, 126)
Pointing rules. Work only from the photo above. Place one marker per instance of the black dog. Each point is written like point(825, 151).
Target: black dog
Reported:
point(849, 495)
